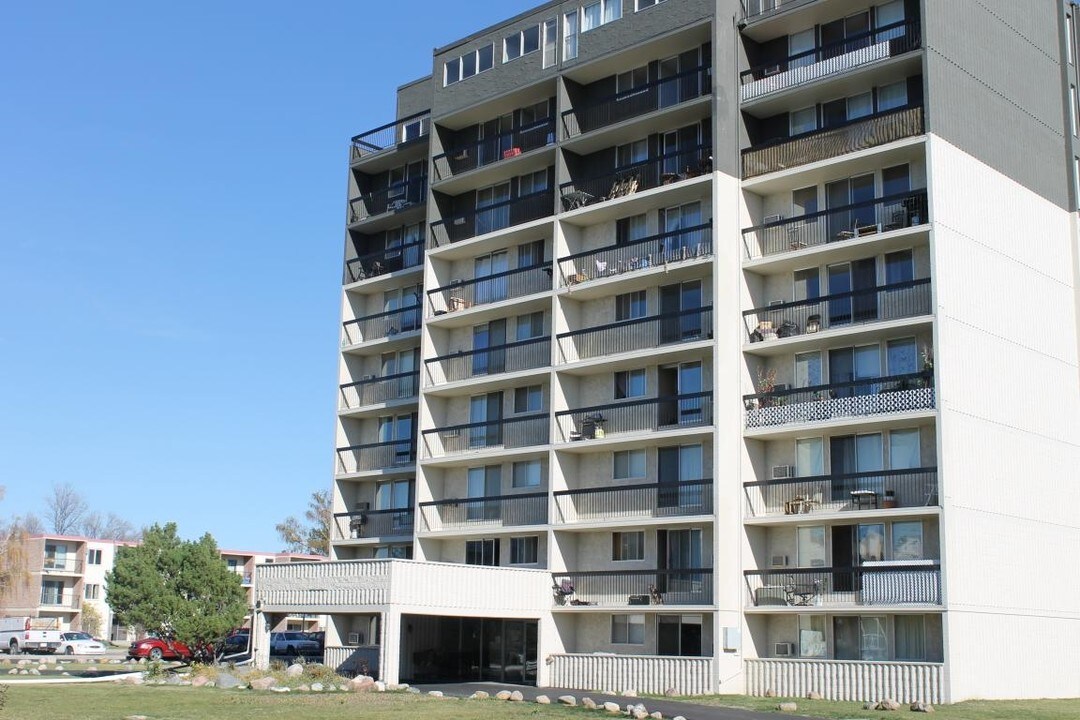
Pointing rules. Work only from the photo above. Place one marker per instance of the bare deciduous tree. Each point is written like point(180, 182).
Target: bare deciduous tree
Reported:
point(66, 509)
point(13, 571)
point(108, 527)
point(314, 537)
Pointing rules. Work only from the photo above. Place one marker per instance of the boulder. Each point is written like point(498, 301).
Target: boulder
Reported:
point(629, 693)
point(789, 707)
point(516, 696)
point(612, 708)
point(199, 681)
point(227, 681)
point(397, 687)
point(543, 700)
point(279, 689)
point(588, 703)
point(639, 713)
point(922, 707)
point(671, 692)
point(380, 686)
point(362, 683)
point(813, 695)
point(888, 704)
point(13, 671)
point(414, 691)
point(869, 706)
point(479, 695)
point(316, 687)
point(294, 671)
point(568, 700)
point(303, 688)
point(435, 693)
point(770, 693)
point(502, 695)
point(136, 717)
point(657, 715)
point(263, 683)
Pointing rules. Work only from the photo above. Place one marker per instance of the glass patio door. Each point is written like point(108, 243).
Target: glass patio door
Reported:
point(484, 482)
point(492, 208)
point(489, 289)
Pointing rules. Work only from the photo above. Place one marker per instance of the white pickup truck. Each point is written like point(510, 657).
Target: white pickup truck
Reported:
point(29, 634)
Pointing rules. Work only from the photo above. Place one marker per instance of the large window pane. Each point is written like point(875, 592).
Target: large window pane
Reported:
point(809, 457)
point(812, 546)
point(871, 542)
point(905, 449)
point(910, 634)
point(907, 540)
point(812, 636)
point(873, 641)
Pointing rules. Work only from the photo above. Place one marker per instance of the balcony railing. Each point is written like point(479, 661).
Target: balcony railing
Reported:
point(68, 565)
point(385, 261)
point(654, 251)
point(493, 149)
point(511, 357)
point(391, 136)
point(490, 288)
point(845, 680)
point(56, 600)
point(376, 456)
point(843, 492)
point(836, 141)
point(379, 390)
point(622, 588)
point(875, 396)
point(646, 174)
point(655, 95)
point(396, 198)
point(637, 334)
point(678, 498)
point(755, 8)
point(648, 414)
point(397, 522)
point(832, 59)
point(486, 512)
point(887, 302)
point(381, 325)
point(883, 214)
point(489, 218)
point(916, 582)
point(510, 433)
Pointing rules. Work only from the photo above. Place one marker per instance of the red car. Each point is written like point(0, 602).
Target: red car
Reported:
point(155, 648)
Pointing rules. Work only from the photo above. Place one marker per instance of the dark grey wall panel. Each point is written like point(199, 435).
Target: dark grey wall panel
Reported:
point(727, 130)
point(414, 97)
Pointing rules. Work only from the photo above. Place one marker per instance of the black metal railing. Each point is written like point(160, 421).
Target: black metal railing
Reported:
point(912, 583)
point(509, 357)
point(391, 136)
point(653, 251)
point(677, 498)
point(491, 150)
point(381, 325)
point(490, 288)
point(830, 59)
point(662, 413)
point(372, 391)
point(663, 169)
point(618, 588)
point(756, 8)
point(637, 334)
point(886, 302)
point(490, 218)
point(395, 198)
point(819, 145)
point(397, 522)
point(907, 488)
point(892, 212)
point(654, 95)
point(509, 433)
point(874, 396)
point(376, 456)
point(490, 511)
point(385, 261)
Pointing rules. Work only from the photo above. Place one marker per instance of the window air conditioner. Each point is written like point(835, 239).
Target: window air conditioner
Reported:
point(783, 472)
point(769, 219)
point(779, 561)
point(783, 649)
point(363, 506)
point(354, 638)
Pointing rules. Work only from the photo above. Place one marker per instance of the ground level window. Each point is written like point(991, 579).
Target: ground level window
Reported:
point(678, 635)
point(523, 550)
point(628, 629)
point(482, 552)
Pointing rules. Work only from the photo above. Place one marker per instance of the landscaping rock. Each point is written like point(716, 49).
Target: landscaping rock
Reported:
point(888, 704)
point(380, 686)
point(543, 700)
point(922, 707)
point(211, 684)
point(294, 671)
point(136, 717)
point(770, 693)
point(414, 691)
point(869, 706)
point(657, 715)
point(629, 693)
point(280, 689)
point(813, 695)
point(316, 687)
point(227, 681)
point(787, 707)
point(479, 695)
point(13, 671)
point(671, 692)
point(303, 688)
point(610, 692)
point(612, 708)
point(362, 683)
point(397, 687)
point(199, 681)
point(639, 713)
point(516, 696)
point(502, 695)
point(263, 683)
point(435, 693)
point(568, 700)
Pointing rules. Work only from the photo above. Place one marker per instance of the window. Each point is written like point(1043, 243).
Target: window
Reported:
point(892, 96)
point(52, 592)
point(469, 64)
point(902, 356)
point(531, 254)
point(570, 35)
point(527, 473)
point(627, 629)
point(523, 550)
point(678, 635)
point(626, 82)
point(530, 326)
point(871, 542)
point(92, 592)
point(396, 552)
point(811, 546)
point(521, 43)
point(529, 399)
point(630, 306)
point(591, 16)
point(1075, 109)
point(812, 636)
point(905, 451)
point(482, 552)
point(907, 540)
point(803, 121)
point(807, 369)
point(93, 557)
point(809, 457)
point(532, 183)
point(642, 4)
point(910, 635)
point(804, 201)
point(551, 37)
point(807, 284)
point(801, 47)
point(628, 465)
point(629, 384)
point(629, 229)
point(627, 546)
point(631, 153)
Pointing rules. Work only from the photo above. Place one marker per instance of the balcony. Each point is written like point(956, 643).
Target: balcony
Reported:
point(376, 456)
point(754, 9)
point(489, 218)
point(884, 214)
point(830, 60)
point(683, 498)
point(370, 265)
point(506, 146)
point(61, 565)
point(914, 582)
point(842, 492)
point(390, 136)
point(647, 415)
point(518, 432)
point(638, 334)
point(666, 169)
point(399, 197)
point(841, 401)
point(847, 680)
point(840, 140)
point(647, 98)
point(58, 601)
point(802, 317)
point(374, 391)
point(381, 325)
point(462, 294)
point(485, 512)
point(511, 357)
point(654, 251)
point(368, 524)
point(632, 588)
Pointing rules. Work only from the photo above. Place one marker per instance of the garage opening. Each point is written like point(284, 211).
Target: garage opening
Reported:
point(437, 649)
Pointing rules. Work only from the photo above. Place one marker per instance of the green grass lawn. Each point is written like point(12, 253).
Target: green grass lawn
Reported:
point(972, 710)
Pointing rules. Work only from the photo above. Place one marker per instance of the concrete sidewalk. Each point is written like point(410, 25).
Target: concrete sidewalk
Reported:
point(668, 706)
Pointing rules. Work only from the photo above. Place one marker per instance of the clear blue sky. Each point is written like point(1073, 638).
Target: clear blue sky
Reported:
point(172, 197)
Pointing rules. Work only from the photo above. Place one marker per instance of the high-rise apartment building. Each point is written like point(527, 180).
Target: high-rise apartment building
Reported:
point(724, 346)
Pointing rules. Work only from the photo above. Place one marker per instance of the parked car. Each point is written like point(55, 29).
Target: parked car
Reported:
point(293, 643)
point(79, 643)
point(29, 634)
point(236, 642)
point(158, 648)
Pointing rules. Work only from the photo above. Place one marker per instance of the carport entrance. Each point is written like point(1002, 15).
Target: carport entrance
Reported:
point(455, 649)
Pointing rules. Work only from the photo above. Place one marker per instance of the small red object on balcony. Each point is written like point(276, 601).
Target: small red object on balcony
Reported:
point(512, 152)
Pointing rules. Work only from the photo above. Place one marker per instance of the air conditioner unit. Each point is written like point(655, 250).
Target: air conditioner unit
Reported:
point(769, 219)
point(783, 649)
point(362, 506)
point(783, 472)
point(354, 638)
point(771, 70)
point(773, 303)
point(780, 386)
point(779, 561)
point(366, 377)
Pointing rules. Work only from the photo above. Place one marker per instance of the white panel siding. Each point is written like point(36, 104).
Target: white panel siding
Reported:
point(846, 680)
point(643, 673)
point(352, 660)
point(296, 586)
